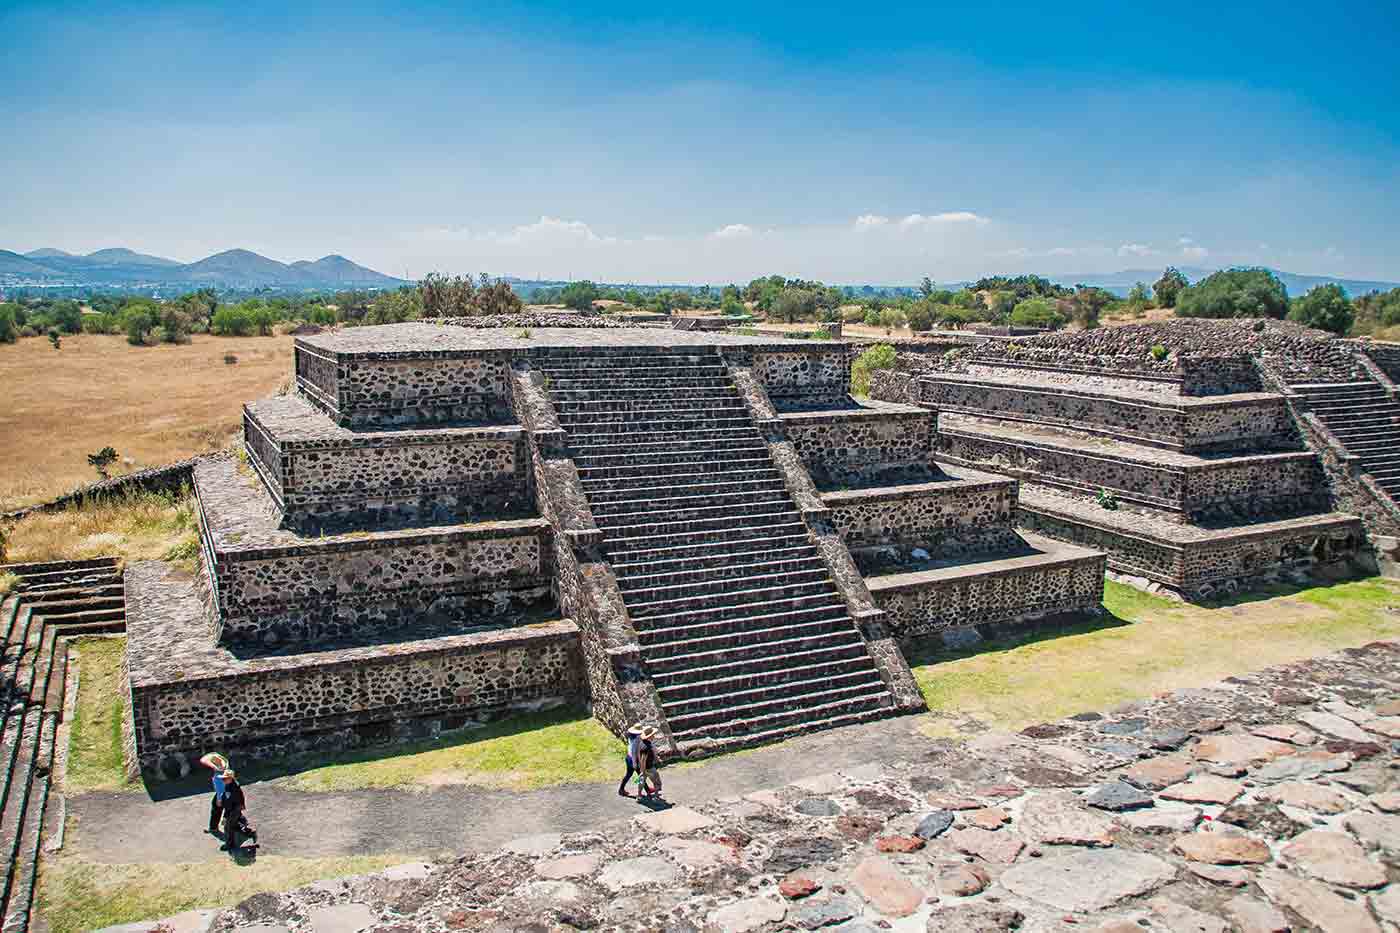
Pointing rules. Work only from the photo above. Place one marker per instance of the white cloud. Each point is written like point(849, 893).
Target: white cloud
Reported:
point(947, 217)
point(551, 227)
point(731, 231)
point(866, 221)
point(1135, 249)
point(1185, 241)
point(1195, 252)
point(1020, 252)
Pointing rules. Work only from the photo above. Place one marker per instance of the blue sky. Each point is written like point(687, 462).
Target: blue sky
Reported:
point(711, 142)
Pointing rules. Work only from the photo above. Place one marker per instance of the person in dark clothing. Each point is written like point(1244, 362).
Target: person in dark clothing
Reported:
point(234, 804)
point(648, 765)
point(218, 764)
point(634, 739)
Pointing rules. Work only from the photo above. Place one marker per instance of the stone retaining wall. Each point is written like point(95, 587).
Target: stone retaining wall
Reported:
point(919, 514)
point(1268, 484)
point(1244, 423)
point(853, 447)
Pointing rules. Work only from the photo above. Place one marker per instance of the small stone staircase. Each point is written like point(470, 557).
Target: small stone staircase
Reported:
point(741, 628)
point(51, 602)
point(1366, 419)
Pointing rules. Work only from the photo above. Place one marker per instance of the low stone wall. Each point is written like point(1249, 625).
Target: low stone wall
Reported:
point(1247, 422)
point(1211, 564)
point(321, 473)
point(920, 514)
point(367, 389)
point(1280, 483)
point(276, 706)
point(923, 605)
point(800, 378)
point(162, 479)
point(854, 446)
point(1075, 378)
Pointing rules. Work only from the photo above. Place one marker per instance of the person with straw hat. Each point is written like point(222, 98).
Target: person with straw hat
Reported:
point(218, 764)
point(634, 738)
point(648, 765)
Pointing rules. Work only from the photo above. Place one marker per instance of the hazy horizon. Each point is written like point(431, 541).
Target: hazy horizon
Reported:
point(628, 143)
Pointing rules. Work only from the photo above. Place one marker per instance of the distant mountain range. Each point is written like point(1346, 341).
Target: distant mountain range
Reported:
point(1121, 282)
point(235, 268)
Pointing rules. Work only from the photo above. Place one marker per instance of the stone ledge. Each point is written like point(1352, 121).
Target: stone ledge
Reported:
point(970, 480)
point(865, 410)
point(1125, 397)
point(296, 425)
point(1051, 554)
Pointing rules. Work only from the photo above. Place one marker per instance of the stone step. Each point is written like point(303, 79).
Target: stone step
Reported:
point(1352, 409)
point(644, 604)
point(1370, 448)
point(628, 395)
point(63, 583)
point(684, 550)
point(757, 468)
point(9, 612)
point(736, 636)
point(727, 566)
point(583, 434)
point(623, 419)
point(751, 646)
point(60, 566)
point(59, 594)
point(783, 701)
point(687, 712)
point(67, 607)
point(641, 376)
point(699, 449)
point(742, 608)
point(644, 367)
point(631, 409)
point(615, 541)
point(874, 702)
point(602, 493)
point(792, 667)
point(679, 464)
point(12, 814)
point(1361, 434)
point(22, 869)
point(656, 514)
point(702, 744)
point(106, 624)
point(651, 384)
point(692, 505)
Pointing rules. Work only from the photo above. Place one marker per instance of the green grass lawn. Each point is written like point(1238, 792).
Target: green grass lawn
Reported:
point(95, 744)
point(1148, 645)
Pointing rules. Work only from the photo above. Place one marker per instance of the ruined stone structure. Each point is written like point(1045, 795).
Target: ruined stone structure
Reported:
point(448, 523)
point(1236, 452)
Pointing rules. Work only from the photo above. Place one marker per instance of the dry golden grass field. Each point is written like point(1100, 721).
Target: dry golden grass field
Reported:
point(153, 404)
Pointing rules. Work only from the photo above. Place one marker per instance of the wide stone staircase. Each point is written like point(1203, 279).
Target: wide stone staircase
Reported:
point(1366, 420)
point(50, 603)
point(741, 627)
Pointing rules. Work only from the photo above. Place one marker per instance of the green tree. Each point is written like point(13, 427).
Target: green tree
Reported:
point(1087, 304)
point(1326, 307)
point(1139, 297)
point(579, 295)
point(879, 357)
point(9, 330)
point(926, 288)
point(1235, 293)
point(1169, 287)
point(1038, 312)
point(1001, 305)
point(1378, 309)
point(138, 321)
point(920, 315)
point(103, 459)
point(794, 304)
point(228, 321)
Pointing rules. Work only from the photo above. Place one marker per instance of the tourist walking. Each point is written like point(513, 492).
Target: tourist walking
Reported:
point(648, 764)
point(634, 738)
point(218, 764)
point(234, 808)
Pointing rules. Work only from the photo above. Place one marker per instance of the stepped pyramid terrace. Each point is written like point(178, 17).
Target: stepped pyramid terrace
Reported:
point(447, 523)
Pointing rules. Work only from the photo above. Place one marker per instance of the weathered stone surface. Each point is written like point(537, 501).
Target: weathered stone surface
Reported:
point(882, 885)
point(821, 784)
point(1306, 796)
point(1168, 819)
point(541, 844)
point(1262, 817)
point(952, 803)
point(1317, 904)
point(1061, 819)
point(817, 806)
point(999, 847)
point(752, 913)
point(987, 818)
point(569, 866)
point(1335, 858)
point(190, 921)
point(1375, 831)
point(1240, 750)
point(902, 844)
point(698, 854)
point(1157, 773)
point(1251, 915)
point(1334, 725)
point(813, 915)
point(797, 852)
point(1291, 733)
point(1088, 879)
point(1182, 919)
point(1389, 708)
point(933, 825)
point(635, 872)
point(1118, 797)
point(1204, 788)
point(1222, 848)
point(674, 821)
point(973, 918)
point(962, 880)
point(1217, 874)
point(1388, 726)
point(1166, 739)
point(858, 827)
point(1386, 903)
point(1304, 765)
point(340, 918)
point(1386, 802)
point(797, 886)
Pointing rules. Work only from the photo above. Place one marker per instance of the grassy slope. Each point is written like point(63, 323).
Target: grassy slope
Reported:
point(141, 526)
point(95, 743)
point(1149, 645)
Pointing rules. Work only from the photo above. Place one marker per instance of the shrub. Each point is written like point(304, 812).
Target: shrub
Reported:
point(99, 324)
point(28, 330)
point(1326, 307)
point(733, 307)
point(1107, 500)
point(232, 321)
point(138, 321)
point(1169, 287)
point(56, 337)
point(103, 459)
point(230, 359)
point(920, 316)
point(9, 331)
point(1235, 293)
point(1038, 312)
point(890, 318)
point(880, 356)
point(1159, 352)
point(872, 318)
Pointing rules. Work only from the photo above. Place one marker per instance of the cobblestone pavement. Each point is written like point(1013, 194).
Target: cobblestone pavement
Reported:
point(1267, 802)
